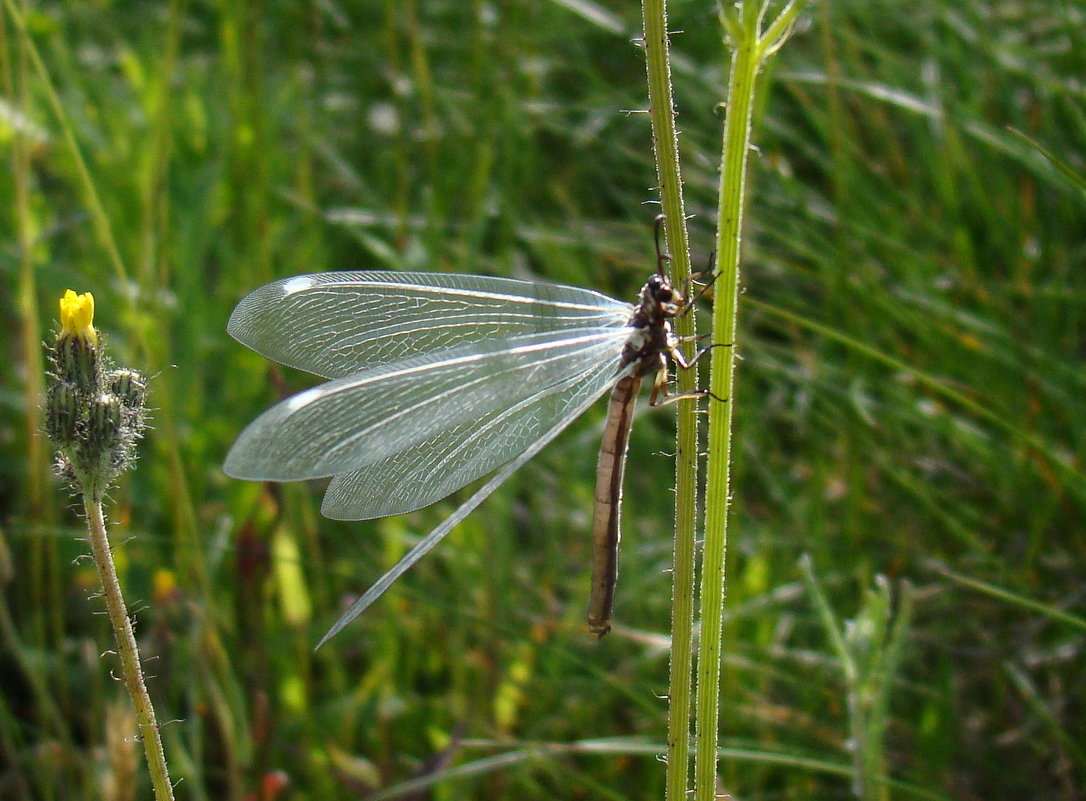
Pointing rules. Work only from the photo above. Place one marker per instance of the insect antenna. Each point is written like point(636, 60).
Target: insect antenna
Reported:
point(661, 256)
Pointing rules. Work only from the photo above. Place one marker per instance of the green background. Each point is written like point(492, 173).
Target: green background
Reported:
point(909, 402)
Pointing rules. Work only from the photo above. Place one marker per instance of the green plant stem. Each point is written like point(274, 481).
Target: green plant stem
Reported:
point(749, 51)
point(126, 647)
point(666, 147)
point(722, 369)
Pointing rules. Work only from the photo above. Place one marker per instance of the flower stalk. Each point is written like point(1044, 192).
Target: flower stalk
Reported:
point(752, 44)
point(95, 414)
point(666, 149)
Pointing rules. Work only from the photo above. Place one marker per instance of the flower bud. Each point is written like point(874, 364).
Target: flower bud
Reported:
point(129, 387)
point(62, 411)
point(104, 423)
point(94, 414)
point(75, 355)
point(77, 361)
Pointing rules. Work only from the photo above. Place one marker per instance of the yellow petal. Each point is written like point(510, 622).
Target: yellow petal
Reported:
point(77, 315)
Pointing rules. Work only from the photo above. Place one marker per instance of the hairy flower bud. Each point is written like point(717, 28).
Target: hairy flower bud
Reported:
point(94, 414)
point(128, 385)
point(103, 423)
point(61, 411)
point(130, 389)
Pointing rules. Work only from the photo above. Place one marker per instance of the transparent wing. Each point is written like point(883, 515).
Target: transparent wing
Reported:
point(333, 324)
point(350, 423)
point(579, 399)
point(430, 470)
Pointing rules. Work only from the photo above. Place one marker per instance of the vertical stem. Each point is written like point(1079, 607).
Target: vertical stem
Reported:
point(750, 49)
point(740, 103)
point(665, 139)
point(718, 487)
point(129, 653)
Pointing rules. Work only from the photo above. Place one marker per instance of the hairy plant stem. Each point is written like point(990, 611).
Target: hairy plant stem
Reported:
point(750, 49)
point(126, 647)
point(666, 146)
point(718, 486)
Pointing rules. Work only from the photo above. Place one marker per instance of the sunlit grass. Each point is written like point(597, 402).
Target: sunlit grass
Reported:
point(895, 221)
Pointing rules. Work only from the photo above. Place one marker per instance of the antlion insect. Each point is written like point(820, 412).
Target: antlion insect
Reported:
point(437, 380)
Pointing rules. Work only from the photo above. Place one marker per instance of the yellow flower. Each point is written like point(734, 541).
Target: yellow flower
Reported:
point(76, 316)
point(94, 411)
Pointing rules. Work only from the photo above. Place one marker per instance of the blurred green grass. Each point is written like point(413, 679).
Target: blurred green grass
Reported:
point(909, 404)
